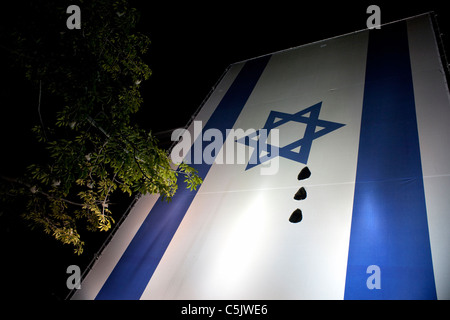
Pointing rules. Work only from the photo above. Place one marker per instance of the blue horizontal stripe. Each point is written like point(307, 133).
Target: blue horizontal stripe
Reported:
point(134, 270)
point(389, 224)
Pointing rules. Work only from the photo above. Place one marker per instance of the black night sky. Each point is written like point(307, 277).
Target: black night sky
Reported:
point(192, 44)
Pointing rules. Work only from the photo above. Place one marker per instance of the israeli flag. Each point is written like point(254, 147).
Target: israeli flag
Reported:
point(368, 114)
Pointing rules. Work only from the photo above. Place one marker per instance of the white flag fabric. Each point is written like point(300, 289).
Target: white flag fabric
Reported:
point(368, 114)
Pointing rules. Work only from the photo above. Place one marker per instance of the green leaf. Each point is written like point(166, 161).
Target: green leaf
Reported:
point(90, 145)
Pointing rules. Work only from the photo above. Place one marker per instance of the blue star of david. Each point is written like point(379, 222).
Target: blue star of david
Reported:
point(315, 128)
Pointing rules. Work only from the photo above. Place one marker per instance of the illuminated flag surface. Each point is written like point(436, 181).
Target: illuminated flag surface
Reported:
point(368, 114)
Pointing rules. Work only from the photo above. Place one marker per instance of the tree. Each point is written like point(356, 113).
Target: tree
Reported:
point(93, 150)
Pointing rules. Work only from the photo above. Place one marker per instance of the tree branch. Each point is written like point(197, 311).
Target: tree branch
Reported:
point(13, 180)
